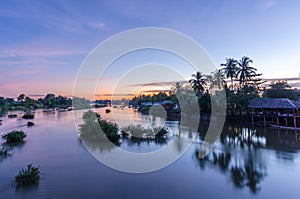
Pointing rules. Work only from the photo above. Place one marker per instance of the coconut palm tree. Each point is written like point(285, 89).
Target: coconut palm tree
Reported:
point(217, 79)
point(177, 87)
point(230, 69)
point(198, 83)
point(245, 72)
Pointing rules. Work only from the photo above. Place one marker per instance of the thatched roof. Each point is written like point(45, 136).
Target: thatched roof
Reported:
point(279, 103)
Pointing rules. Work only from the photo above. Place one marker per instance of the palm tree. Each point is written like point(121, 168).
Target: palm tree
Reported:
point(177, 87)
point(245, 72)
point(198, 83)
point(217, 79)
point(230, 69)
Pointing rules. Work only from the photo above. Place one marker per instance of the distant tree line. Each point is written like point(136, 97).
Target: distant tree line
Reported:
point(26, 102)
point(240, 81)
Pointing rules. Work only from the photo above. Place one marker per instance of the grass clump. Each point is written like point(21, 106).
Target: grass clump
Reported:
point(14, 136)
point(138, 131)
point(30, 123)
point(12, 116)
point(28, 116)
point(28, 176)
point(96, 129)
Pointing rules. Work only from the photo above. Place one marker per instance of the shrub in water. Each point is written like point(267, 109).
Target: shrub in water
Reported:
point(28, 116)
point(14, 136)
point(91, 130)
point(30, 123)
point(160, 132)
point(12, 116)
point(138, 131)
point(27, 176)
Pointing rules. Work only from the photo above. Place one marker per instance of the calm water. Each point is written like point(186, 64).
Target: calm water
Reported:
point(246, 163)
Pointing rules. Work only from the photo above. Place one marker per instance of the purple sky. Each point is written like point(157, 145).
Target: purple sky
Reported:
point(43, 43)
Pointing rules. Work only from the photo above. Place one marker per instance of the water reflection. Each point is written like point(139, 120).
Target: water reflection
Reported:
point(239, 155)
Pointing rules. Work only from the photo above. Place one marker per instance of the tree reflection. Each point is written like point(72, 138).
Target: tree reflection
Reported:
point(238, 157)
point(242, 173)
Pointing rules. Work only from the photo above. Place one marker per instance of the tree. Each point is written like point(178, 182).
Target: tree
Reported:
point(21, 98)
point(245, 71)
point(217, 80)
point(198, 83)
point(29, 102)
point(49, 101)
point(230, 69)
point(176, 88)
point(2, 101)
point(280, 89)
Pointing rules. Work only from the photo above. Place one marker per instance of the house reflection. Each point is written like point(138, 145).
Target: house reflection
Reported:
point(239, 155)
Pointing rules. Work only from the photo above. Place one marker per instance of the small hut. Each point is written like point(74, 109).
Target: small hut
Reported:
point(272, 104)
point(274, 108)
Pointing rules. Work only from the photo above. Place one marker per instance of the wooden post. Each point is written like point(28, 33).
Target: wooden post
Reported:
point(252, 120)
point(264, 120)
point(295, 124)
point(277, 121)
point(286, 121)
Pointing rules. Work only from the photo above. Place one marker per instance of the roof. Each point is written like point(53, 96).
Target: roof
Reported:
point(279, 103)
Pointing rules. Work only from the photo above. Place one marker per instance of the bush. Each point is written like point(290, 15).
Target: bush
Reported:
point(144, 109)
point(28, 176)
point(12, 116)
point(138, 131)
point(28, 116)
point(14, 136)
point(107, 111)
point(91, 130)
point(160, 132)
point(30, 123)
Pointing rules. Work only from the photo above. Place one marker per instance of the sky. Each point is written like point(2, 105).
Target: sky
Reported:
point(44, 43)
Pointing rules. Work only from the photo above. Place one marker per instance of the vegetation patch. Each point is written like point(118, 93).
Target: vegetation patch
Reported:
point(28, 116)
point(12, 116)
point(14, 136)
point(30, 123)
point(138, 131)
point(31, 175)
point(107, 111)
point(95, 129)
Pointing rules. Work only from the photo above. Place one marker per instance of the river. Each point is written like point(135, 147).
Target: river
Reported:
point(246, 162)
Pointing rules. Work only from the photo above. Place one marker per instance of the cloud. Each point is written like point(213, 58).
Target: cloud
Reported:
point(39, 53)
point(267, 4)
point(99, 26)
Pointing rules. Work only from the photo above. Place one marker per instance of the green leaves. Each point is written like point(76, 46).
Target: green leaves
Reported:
point(96, 129)
point(138, 131)
point(14, 136)
point(28, 176)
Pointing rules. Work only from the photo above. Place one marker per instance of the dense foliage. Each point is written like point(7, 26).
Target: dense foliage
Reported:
point(28, 176)
point(95, 129)
point(14, 136)
point(280, 89)
point(138, 131)
point(28, 116)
